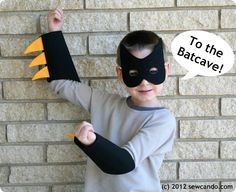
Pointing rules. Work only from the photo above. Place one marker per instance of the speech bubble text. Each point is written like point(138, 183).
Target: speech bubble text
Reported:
point(202, 53)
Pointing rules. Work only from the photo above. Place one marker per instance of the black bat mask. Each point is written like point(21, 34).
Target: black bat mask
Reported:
point(150, 68)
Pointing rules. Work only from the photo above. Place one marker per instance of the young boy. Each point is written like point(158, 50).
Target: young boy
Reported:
point(127, 137)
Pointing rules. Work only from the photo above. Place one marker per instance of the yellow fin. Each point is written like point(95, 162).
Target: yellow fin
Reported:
point(69, 135)
point(37, 45)
point(39, 60)
point(43, 73)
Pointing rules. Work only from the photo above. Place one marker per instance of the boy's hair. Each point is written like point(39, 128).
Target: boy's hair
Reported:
point(139, 40)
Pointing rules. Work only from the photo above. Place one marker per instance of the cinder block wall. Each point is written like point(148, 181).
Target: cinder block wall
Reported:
point(34, 155)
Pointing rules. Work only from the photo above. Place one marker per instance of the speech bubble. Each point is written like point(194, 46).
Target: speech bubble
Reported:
point(202, 53)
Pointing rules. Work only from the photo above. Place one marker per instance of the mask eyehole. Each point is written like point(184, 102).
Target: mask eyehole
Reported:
point(133, 73)
point(153, 71)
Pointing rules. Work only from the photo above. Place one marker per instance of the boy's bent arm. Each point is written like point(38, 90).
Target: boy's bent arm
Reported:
point(109, 157)
point(155, 138)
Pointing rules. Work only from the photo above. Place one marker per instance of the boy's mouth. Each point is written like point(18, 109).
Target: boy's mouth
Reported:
point(145, 91)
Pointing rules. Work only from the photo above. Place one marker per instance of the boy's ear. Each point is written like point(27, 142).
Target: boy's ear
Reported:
point(119, 73)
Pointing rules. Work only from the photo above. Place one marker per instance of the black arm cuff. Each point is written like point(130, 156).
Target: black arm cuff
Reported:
point(59, 61)
point(107, 156)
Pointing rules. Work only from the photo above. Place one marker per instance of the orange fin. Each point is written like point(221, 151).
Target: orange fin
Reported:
point(43, 73)
point(39, 60)
point(37, 45)
point(69, 135)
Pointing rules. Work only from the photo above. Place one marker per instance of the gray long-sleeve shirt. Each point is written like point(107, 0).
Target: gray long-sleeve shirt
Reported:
point(146, 133)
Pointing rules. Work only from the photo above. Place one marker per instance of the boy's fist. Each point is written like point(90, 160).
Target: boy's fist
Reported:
point(85, 133)
point(55, 20)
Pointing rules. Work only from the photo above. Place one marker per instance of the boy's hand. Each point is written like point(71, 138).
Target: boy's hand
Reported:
point(55, 20)
point(85, 133)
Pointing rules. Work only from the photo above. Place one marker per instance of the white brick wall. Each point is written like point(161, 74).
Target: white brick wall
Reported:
point(163, 20)
point(34, 154)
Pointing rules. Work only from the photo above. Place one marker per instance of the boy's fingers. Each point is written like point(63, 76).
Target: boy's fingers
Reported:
point(86, 127)
point(85, 123)
point(83, 135)
point(60, 12)
point(58, 17)
point(91, 136)
point(77, 130)
point(56, 13)
point(87, 136)
point(82, 131)
point(80, 126)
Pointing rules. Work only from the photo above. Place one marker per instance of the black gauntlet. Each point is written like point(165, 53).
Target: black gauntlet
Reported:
point(55, 55)
point(110, 158)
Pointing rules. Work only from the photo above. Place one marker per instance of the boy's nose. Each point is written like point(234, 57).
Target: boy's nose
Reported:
point(144, 82)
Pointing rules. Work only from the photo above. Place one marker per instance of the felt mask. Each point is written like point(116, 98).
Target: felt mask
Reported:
point(150, 68)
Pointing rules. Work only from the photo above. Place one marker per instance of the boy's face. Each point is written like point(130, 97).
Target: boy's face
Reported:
point(145, 93)
point(151, 67)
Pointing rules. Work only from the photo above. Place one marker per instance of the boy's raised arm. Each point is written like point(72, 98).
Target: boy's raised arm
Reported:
point(55, 54)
